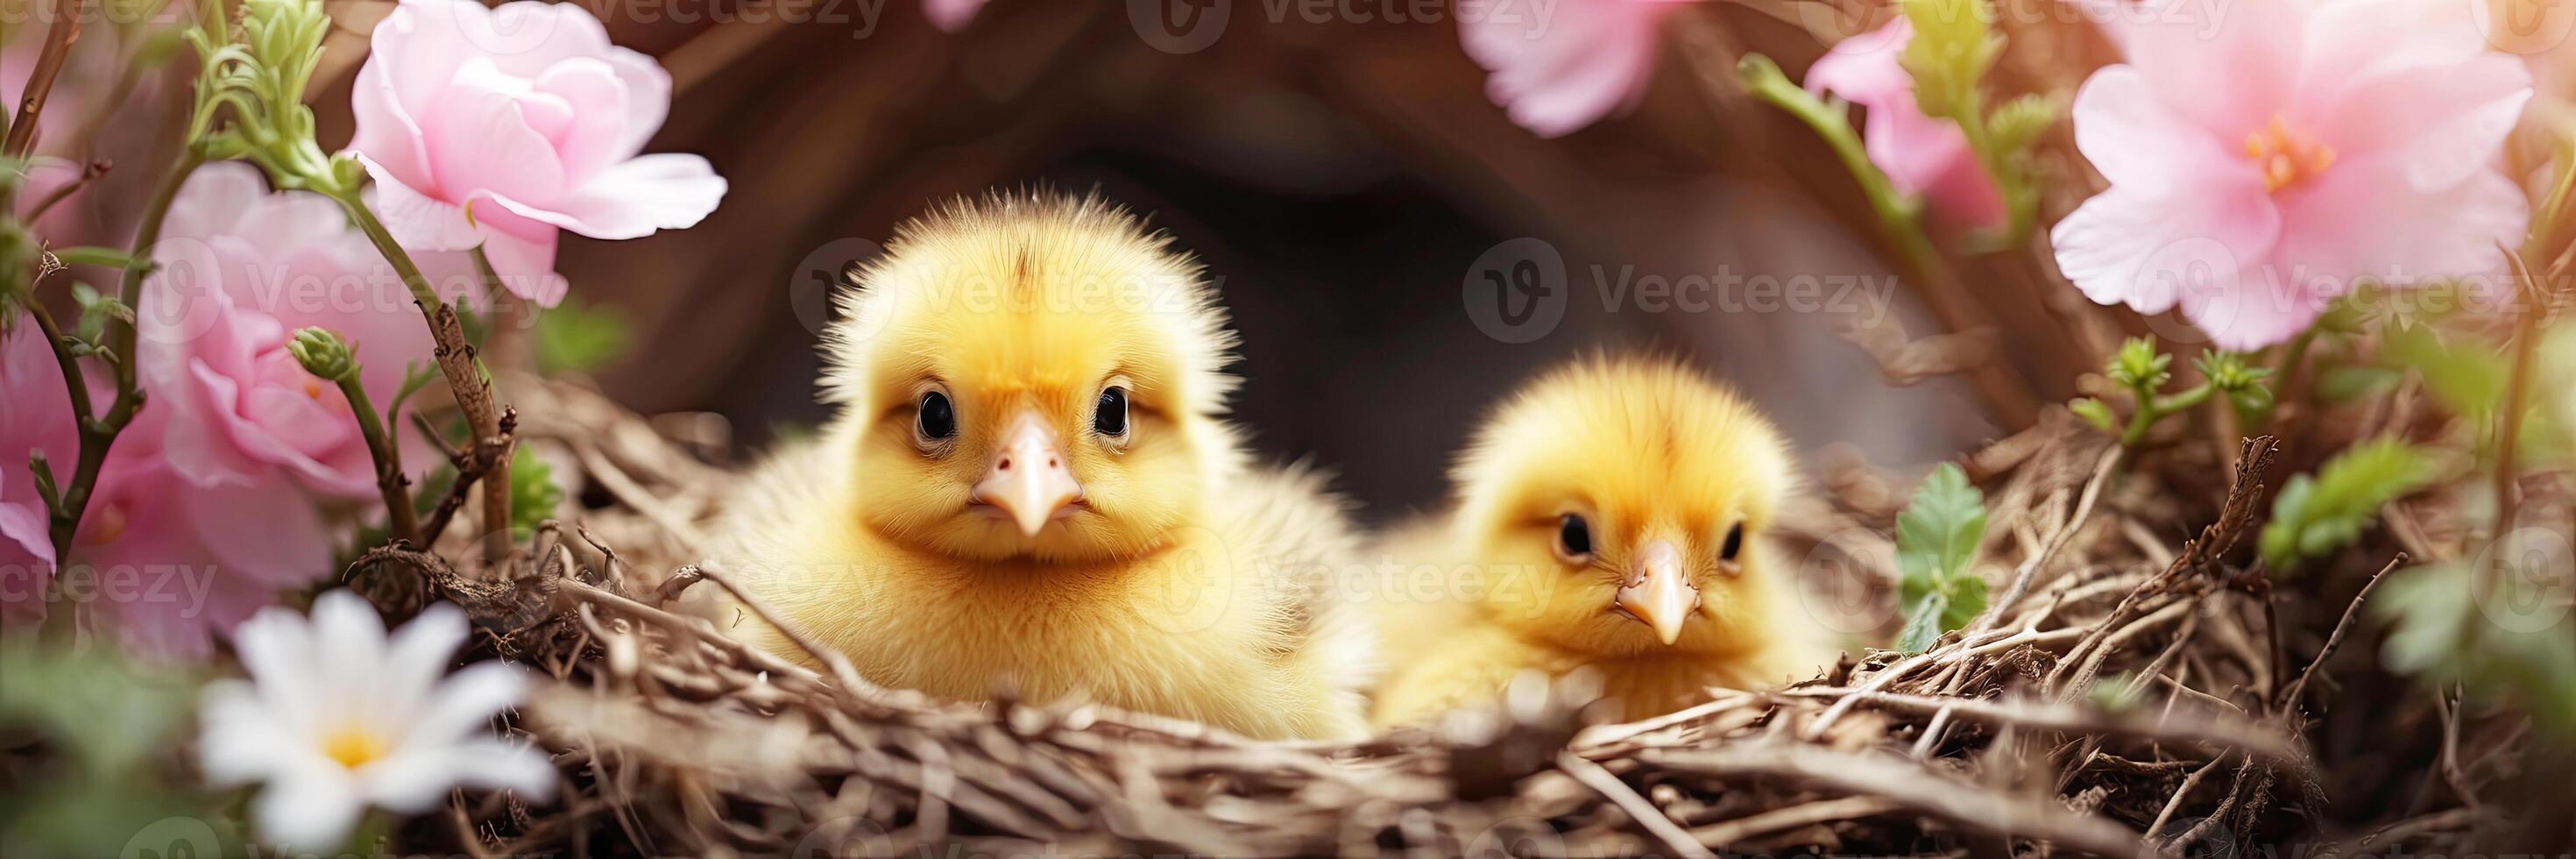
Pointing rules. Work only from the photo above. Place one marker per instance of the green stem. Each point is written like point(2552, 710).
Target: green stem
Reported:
point(98, 432)
point(2285, 375)
point(456, 362)
point(404, 521)
point(1900, 217)
point(2152, 408)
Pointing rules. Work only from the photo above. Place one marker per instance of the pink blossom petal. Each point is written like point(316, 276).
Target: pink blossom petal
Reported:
point(484, 142)
point(2229, 74)
point(261, 533)
point(2131, 137)
point(648, 98)
point(2366, 220)
point(1554, 77)
point(635, 198)
point(386, 129)
point(595, 134)
point(526, 264)
point(416, 219)
point(2456, 117)
point(2262, 307)
point(950, 15)
point(2148, 250)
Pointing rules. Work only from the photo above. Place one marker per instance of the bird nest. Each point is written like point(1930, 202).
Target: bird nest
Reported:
point(2131, 692)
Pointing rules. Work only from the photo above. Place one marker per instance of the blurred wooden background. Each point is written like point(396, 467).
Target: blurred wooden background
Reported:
point(1340, 179)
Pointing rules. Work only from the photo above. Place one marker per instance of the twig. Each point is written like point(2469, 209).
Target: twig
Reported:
point(472, 465)
point(391, 483)
point(2290, 697)
point(59, 36)
point(839, 664)
point(1792, 817)
point(2022, 578)
point(2183, 792)
point(98, 432)
point(2517, 392)
point(89, 173)
point(1911, 786)
point(465, 378)
point(1638, 809)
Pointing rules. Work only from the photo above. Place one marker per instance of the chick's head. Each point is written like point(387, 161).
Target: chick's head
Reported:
point(1635, 493)
point(1030, 376)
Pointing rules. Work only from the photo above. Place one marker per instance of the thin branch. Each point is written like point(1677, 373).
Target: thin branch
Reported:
point(2290, 696)
point(59, 36)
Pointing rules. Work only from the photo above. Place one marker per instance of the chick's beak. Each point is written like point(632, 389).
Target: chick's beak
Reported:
point(1656, 593)
point(1028, 480)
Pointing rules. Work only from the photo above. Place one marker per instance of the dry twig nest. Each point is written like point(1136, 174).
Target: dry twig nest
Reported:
point(2124, 697)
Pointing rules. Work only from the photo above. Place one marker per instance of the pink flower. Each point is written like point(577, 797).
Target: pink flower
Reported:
point(241, 269)
point(169, 565)
point(499, 126)
point(2258, 171)
point(1559, 66)
point(1922, 156)
point(951, 15)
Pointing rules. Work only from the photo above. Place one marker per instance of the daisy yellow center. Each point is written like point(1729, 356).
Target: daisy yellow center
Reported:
point(2286, 156)
point(354, 746)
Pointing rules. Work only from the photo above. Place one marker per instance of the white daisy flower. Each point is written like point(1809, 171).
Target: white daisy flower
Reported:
point(338, 717)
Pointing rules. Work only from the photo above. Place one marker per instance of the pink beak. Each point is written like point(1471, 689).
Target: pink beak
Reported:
point(1656, 592)
point(1028, 481)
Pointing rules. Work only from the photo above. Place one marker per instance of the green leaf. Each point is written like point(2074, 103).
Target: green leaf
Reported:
point(1954, 45)
point(2139, 367)
point(1923, 618)
point(2348, 383)
point(416, 375)
point(108, 716)
point(1938, 532)
point(572, 337)
point(2469, 378)
point(2093, 411)
point(2442, 634)
point(2018, 123)
point(2318, 514)
point(533, 494)
point(1936, 543)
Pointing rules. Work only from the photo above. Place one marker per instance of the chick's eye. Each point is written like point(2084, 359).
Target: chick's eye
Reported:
point(1573, 536)
point(937, 419)
point(1110, 418)
point(1734, 543)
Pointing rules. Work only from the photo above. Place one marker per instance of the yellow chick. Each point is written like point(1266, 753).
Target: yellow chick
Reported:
point(1610, 515)
point(1027, 488)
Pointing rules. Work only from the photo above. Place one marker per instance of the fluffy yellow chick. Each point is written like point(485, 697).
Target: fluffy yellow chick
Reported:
point(1027, 488)
point(1610, 515)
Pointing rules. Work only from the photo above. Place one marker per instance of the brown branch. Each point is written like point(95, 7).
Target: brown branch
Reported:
point(1967, 805)
point(2517, 392)
point(59, 36)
